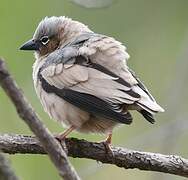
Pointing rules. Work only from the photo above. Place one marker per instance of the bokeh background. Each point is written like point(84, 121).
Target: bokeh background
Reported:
point(156, 34)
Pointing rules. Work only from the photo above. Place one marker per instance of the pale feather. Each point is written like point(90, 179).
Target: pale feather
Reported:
point(102, 50)
point(115, 57)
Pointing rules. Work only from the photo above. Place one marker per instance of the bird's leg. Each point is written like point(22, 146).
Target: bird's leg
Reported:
point(62, 136)
point(109, 139)
point(107, 143)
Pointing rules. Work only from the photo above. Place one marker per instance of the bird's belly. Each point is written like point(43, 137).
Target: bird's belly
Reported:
point(69, 115)
point(98, 125)
point(60, 110)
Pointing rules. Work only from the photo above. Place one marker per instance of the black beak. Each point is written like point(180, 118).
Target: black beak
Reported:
point(31, 45)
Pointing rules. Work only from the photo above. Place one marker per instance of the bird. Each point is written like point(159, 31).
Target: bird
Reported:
point(83, 81)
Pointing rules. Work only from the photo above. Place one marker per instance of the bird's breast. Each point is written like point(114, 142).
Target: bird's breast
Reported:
point(56, 107)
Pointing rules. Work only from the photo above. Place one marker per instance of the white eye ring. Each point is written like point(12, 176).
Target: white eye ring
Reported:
point(44, 40)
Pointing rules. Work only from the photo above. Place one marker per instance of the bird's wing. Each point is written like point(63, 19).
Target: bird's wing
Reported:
point(91, 73)
point(87, 85)
point(141, 85)
point(112, 55)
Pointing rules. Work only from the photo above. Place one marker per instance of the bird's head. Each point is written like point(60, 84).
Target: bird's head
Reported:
point(52, 33)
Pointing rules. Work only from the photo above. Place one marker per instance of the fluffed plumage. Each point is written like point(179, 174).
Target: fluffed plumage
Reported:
point(82, 78)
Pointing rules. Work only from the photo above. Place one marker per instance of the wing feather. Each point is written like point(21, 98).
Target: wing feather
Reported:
point(102, 80)
point(94, 91)
point(89, 103)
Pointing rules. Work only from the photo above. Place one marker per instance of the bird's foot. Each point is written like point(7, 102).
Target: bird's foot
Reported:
point(108, 149)
point(107, 145)
point(61, 140)
point(61, 137)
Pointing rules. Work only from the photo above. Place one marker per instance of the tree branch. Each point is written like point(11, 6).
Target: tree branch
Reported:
point(6, 173)
point(26, 112)
point(122, 157)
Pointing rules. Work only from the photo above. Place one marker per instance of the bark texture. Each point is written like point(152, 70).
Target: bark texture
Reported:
point(46, 143)
point(28, 115)
point(125, 158)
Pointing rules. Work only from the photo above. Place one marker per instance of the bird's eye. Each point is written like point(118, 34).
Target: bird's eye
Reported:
point(44, 40)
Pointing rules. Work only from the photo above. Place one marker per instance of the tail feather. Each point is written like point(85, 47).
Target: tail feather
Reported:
point(148, 116)
point(146, 103)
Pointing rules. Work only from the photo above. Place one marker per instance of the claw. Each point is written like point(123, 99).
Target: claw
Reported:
point(61, 138)
point(107, 145)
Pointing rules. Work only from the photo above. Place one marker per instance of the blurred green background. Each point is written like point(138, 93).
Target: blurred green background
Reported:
point(156, 34)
